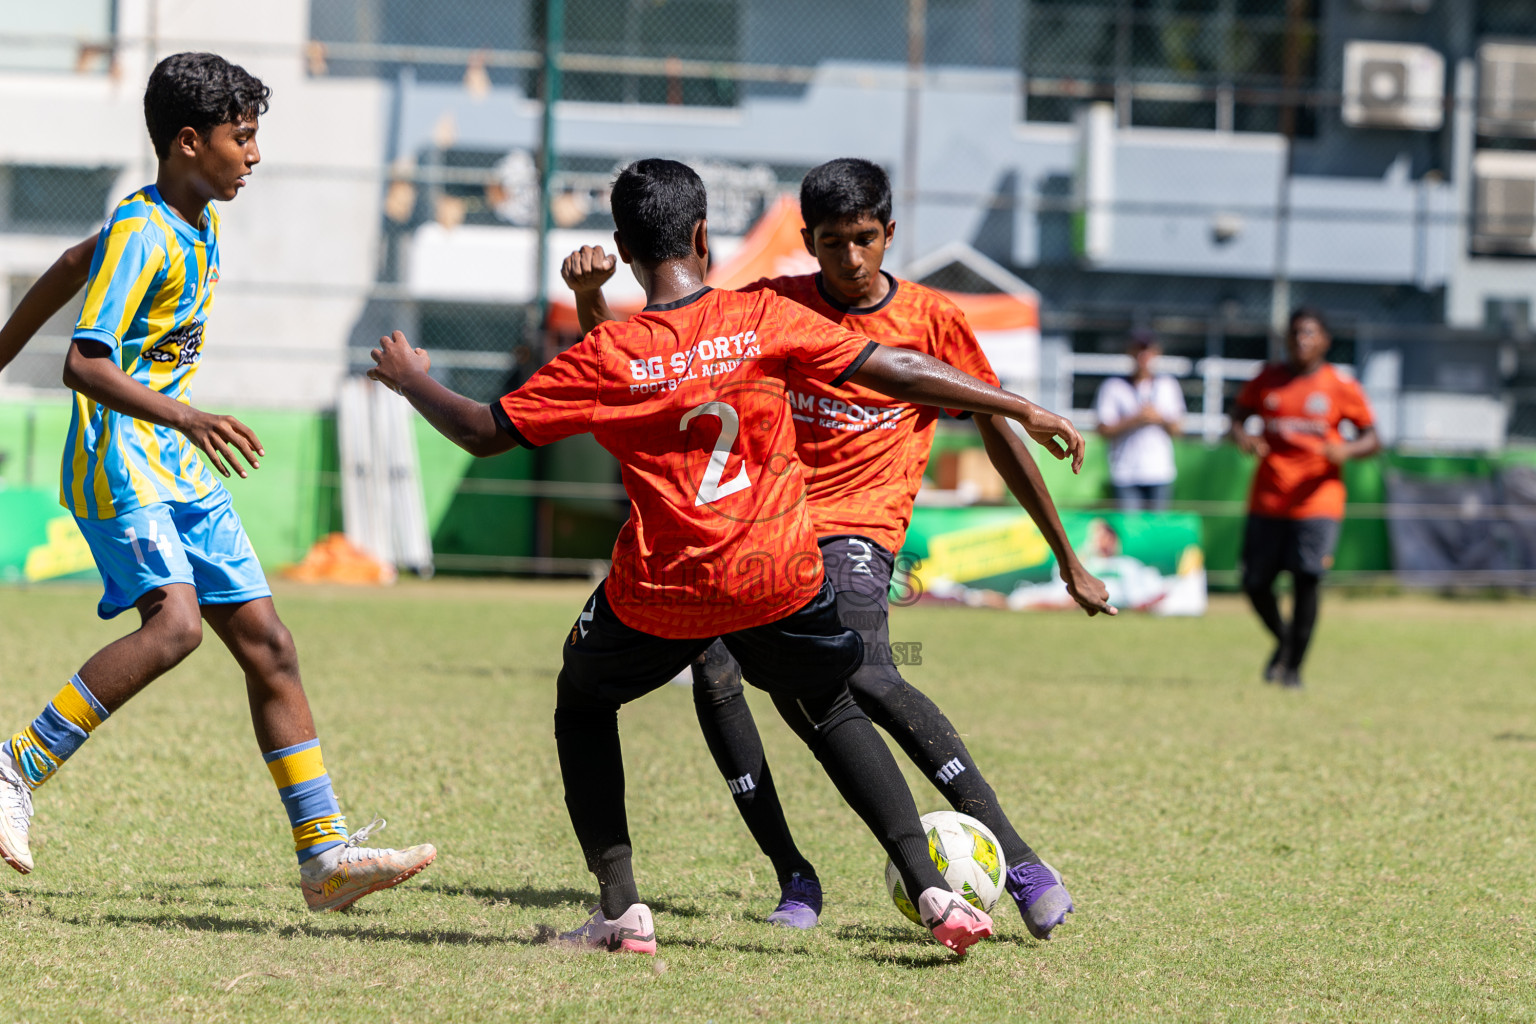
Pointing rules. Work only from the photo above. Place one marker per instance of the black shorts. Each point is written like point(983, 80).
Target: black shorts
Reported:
point(807, 653)
point(860, 572)
point(1272, 546)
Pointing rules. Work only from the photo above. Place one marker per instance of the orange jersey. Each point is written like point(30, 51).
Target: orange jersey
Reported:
point(864, 452)
point(690, 397)
point(1302, 413)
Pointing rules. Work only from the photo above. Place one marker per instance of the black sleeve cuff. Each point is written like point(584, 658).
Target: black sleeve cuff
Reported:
point(853, 367)
point(508, 427)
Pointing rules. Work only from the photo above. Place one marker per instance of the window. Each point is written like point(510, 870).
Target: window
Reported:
point(54, 200)
point(692, 30)
point(60, 35)
point(1505, 18)
point(1185, 63)
point(360, 26)
point(436, 40)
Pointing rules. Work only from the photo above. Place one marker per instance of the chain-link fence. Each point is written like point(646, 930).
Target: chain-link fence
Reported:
point(1256, 158)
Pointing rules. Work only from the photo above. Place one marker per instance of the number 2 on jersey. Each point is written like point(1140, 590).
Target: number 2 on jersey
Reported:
point(710, 488)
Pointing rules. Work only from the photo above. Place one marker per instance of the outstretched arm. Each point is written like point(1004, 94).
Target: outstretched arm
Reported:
point(49, 294)
point(467, 423)
point(90, 369)
point(585, 271)
point(915, 377)
point(1017, 467)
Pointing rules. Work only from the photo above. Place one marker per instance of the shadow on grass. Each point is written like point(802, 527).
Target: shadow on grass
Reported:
point(721, 943)
point(562, 896)
point(205, 896)
point(140, 891)
point(900, 933)
point(522, 896)
point(925, 953)
point(666, 906)
point(1021, 941)
point(910, 961)
point(882, 933)
point(209, 923)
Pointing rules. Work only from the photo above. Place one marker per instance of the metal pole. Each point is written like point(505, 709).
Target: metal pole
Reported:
point(917, 28)
point(151, 52)
point(554, 38)
point(1280, 290)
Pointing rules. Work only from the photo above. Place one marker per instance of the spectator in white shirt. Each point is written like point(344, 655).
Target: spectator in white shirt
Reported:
point(1138, 418)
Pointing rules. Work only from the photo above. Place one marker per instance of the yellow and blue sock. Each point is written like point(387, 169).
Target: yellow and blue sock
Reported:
point(66, 723)
point(305, 788)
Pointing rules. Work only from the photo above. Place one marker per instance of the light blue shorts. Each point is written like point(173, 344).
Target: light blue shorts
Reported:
point(198, 542)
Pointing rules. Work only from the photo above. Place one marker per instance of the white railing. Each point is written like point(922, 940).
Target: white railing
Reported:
point(1061, 366)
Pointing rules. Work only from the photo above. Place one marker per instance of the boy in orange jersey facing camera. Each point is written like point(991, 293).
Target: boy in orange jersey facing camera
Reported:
point(1296, 504)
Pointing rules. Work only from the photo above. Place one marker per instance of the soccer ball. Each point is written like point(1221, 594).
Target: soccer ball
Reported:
point(966, 853)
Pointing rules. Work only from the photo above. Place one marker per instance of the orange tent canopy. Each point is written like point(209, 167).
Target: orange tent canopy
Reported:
point(998, 311)
point(773, 248)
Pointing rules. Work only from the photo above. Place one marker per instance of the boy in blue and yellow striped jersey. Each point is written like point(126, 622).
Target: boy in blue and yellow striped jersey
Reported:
point(165, 538)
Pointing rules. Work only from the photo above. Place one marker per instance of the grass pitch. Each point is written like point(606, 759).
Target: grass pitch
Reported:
point(1359, 851)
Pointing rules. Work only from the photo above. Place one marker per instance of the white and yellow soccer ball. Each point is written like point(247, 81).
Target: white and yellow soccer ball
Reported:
point(966, 853)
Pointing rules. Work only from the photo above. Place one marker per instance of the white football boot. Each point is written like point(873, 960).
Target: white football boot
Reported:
point(344, 874)
point(631, 932)
point(15, 815)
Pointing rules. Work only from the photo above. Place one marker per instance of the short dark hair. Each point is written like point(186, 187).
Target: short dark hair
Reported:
point(845, 189)
point(656, 204)
point(1307, 313)
point(199, 91)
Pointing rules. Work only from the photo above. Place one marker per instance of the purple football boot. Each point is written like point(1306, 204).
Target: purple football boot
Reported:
point(799, 905)
point(1043, 901)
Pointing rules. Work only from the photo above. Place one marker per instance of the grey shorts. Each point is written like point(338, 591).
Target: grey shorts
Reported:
point(1272, 546)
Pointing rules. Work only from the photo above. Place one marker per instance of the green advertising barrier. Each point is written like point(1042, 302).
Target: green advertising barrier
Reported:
point(294, 499)
point(996, 556)
point(38, 539)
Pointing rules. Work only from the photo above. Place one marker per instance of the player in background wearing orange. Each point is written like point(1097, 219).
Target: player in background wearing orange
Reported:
point(690, 396)
point(1297, 501)
point(864, 455)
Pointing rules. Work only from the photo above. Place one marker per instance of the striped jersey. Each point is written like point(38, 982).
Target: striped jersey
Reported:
point(148, 297)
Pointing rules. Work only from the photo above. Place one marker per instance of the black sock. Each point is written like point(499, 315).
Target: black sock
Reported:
point(592, 766)
point(930, 740)
point(860, 765)
point(1303, 616)
point(615, 881)
point(1262, 597)
point(733, 739)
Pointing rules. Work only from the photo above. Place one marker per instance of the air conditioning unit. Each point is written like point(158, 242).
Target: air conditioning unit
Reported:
point(1506, 89)
point(1393, 85)
point(1504, 215)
